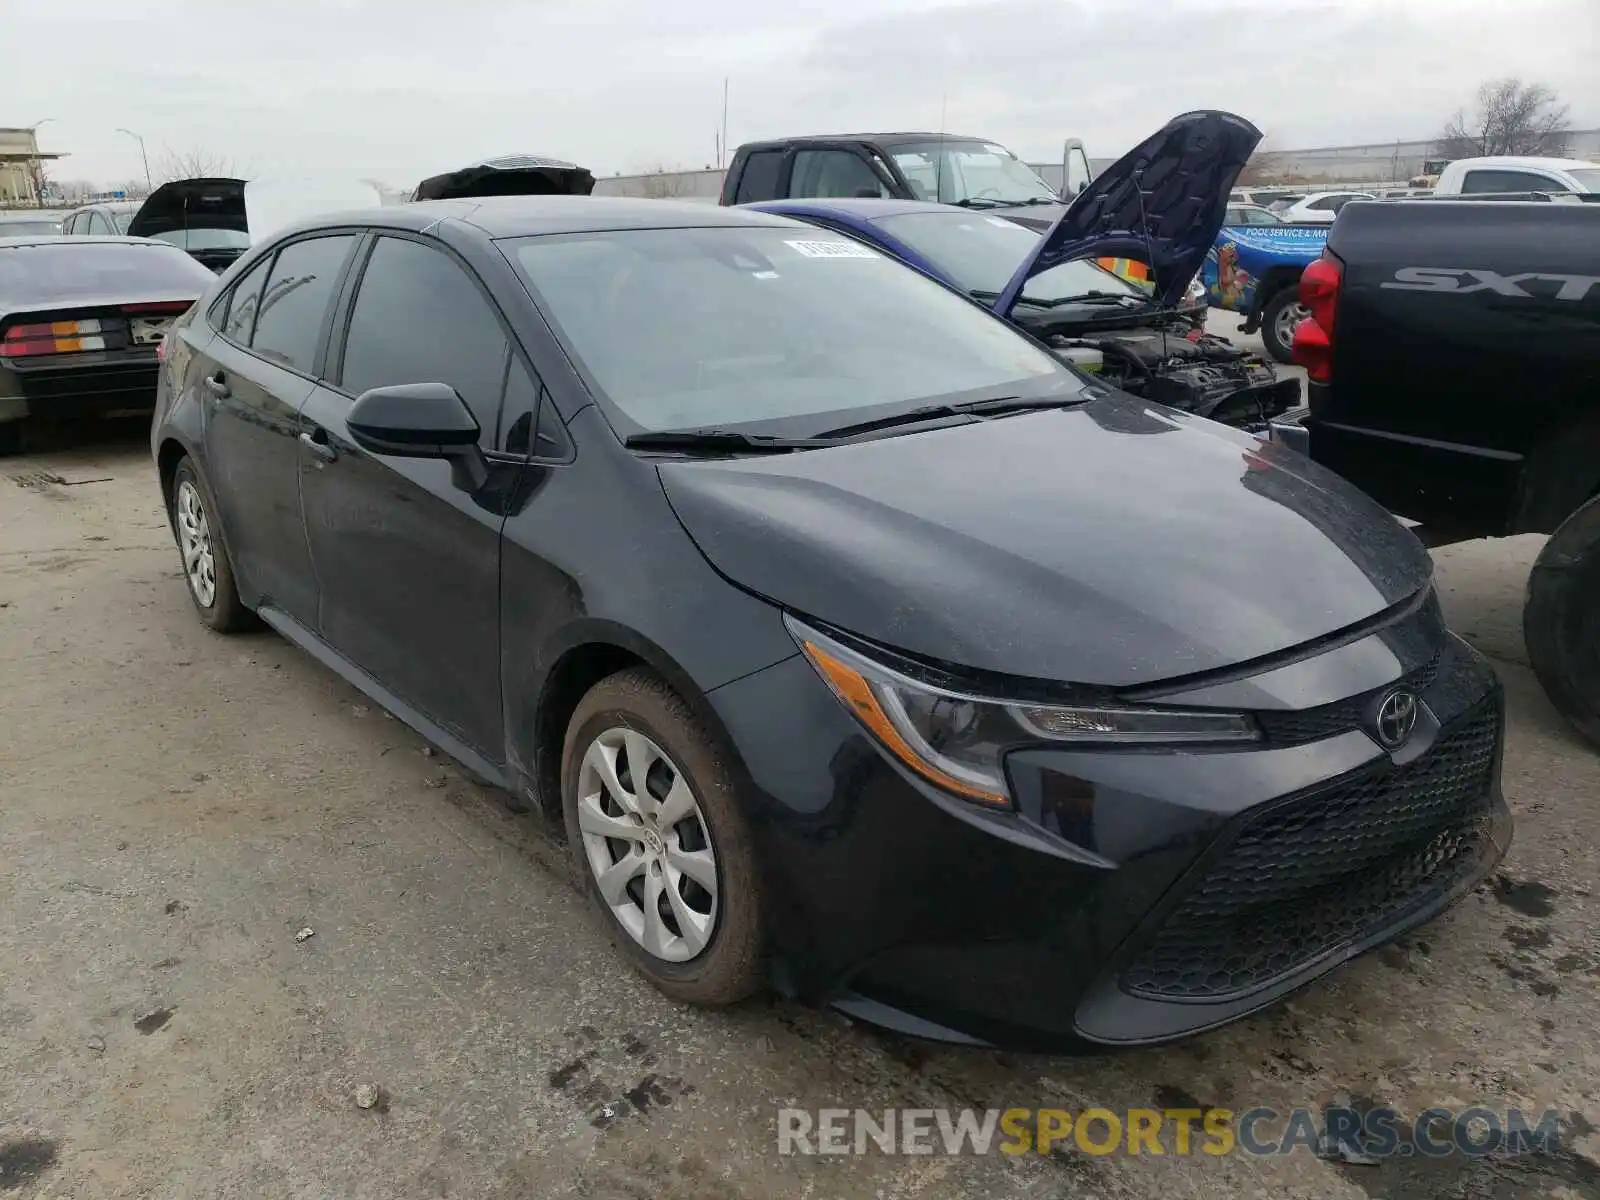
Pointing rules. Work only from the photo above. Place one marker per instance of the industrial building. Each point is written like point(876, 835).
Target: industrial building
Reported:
point(22, 167)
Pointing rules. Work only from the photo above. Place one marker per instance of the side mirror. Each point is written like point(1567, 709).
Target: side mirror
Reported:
point(421, 420)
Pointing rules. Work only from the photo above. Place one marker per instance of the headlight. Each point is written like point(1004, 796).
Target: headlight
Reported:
point(957, 741)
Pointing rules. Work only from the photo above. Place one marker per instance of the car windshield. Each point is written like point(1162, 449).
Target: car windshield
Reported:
point(980, 173)
point(205, 239)
point(32, 228)
point(124, 219)
point(727, 326)
point(1588, 180)
point(1249, 215)
point(72, 270)
point(981, 252)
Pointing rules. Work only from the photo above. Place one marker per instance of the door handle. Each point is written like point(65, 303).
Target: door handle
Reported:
point(319, 445)
point(217, 385)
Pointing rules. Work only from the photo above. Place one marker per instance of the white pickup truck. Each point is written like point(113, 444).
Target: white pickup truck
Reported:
point(1490, 176)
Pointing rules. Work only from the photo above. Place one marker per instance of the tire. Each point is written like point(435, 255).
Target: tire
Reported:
point(194, 521)
point(1561, 619)
point(714, 957)
point(1281, 308)
point(10, 438)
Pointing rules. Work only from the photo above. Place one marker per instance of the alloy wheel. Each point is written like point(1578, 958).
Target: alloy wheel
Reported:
point(1288, 320)
point(194, 539)
point(648, 844)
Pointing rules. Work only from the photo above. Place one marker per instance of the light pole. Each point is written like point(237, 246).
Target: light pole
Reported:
point(142, 155)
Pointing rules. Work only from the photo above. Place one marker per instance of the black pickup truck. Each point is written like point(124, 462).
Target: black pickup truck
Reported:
point(966, 171)
point(1453, 355)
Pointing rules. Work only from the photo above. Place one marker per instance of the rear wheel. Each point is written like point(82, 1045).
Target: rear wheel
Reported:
point(1561, 619)
point(659, 840)
point(10, 438)
point(206, 569)
point(1279, 319)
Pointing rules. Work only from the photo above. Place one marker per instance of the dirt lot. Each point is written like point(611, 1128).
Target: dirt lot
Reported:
point(175, 806)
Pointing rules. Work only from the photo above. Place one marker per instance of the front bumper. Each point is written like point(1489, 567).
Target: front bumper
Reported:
point(1136, 896)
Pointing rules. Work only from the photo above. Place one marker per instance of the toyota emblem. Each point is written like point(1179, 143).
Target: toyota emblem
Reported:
point(1397, 717)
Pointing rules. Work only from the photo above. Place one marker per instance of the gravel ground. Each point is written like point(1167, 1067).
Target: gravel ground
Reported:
point(175, 807)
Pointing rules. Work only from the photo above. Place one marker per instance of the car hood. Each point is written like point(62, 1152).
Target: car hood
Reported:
point(512, 175)
point(191, 204)
point(1163, 202)
point(1038, 217)
point(1112, 544)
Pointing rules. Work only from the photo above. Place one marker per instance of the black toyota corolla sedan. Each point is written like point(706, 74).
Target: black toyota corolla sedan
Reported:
point(859, 644)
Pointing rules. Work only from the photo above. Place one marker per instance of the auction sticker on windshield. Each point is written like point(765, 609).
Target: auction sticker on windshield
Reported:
point(832, 249)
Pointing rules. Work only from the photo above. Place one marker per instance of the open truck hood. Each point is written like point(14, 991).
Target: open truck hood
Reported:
point(191, 204)
point(256, 208)
point(511, 175)
point(1163, 202)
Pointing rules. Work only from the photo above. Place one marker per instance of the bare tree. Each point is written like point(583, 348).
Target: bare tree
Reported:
point(194, 163)
point(1508, 117)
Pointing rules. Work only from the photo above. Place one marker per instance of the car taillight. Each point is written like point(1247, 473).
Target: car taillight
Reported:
point(52, 337)
point(1313, 338)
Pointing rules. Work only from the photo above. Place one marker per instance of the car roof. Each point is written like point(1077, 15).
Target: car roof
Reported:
point(1526, 160)
point(884, 139)
point(863, 208)
point(109, 205)
point(54, 239)
point(526, 216)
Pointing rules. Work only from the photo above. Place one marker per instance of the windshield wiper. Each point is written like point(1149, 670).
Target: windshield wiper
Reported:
point(994, 406)
point(977, 202)
point(1083, 298)
point(726, 440)
point(1121, 300)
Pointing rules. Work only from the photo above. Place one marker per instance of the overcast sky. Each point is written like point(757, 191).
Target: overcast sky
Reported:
point(398, 89)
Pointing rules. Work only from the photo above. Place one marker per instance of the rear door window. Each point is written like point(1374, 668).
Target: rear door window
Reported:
point(420, 318)
point(296, 300)
point(759, 179)
point(1488, 182)
point(834, 173)
point(240, 321)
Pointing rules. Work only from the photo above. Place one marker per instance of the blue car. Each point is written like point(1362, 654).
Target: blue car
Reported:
point(1148, 342)
point(1255, 270)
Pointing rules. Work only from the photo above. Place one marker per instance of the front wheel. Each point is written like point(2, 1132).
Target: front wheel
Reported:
point(659, 840)
point(1279, 319)
point(1561, 619)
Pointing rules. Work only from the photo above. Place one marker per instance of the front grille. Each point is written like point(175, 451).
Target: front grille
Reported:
point(1327, 720)
point(1328, 869)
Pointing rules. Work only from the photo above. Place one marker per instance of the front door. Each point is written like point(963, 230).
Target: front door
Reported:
point(409, 563)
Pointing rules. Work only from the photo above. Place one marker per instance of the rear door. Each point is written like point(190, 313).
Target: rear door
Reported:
point(255, 376)
point(409, 564)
